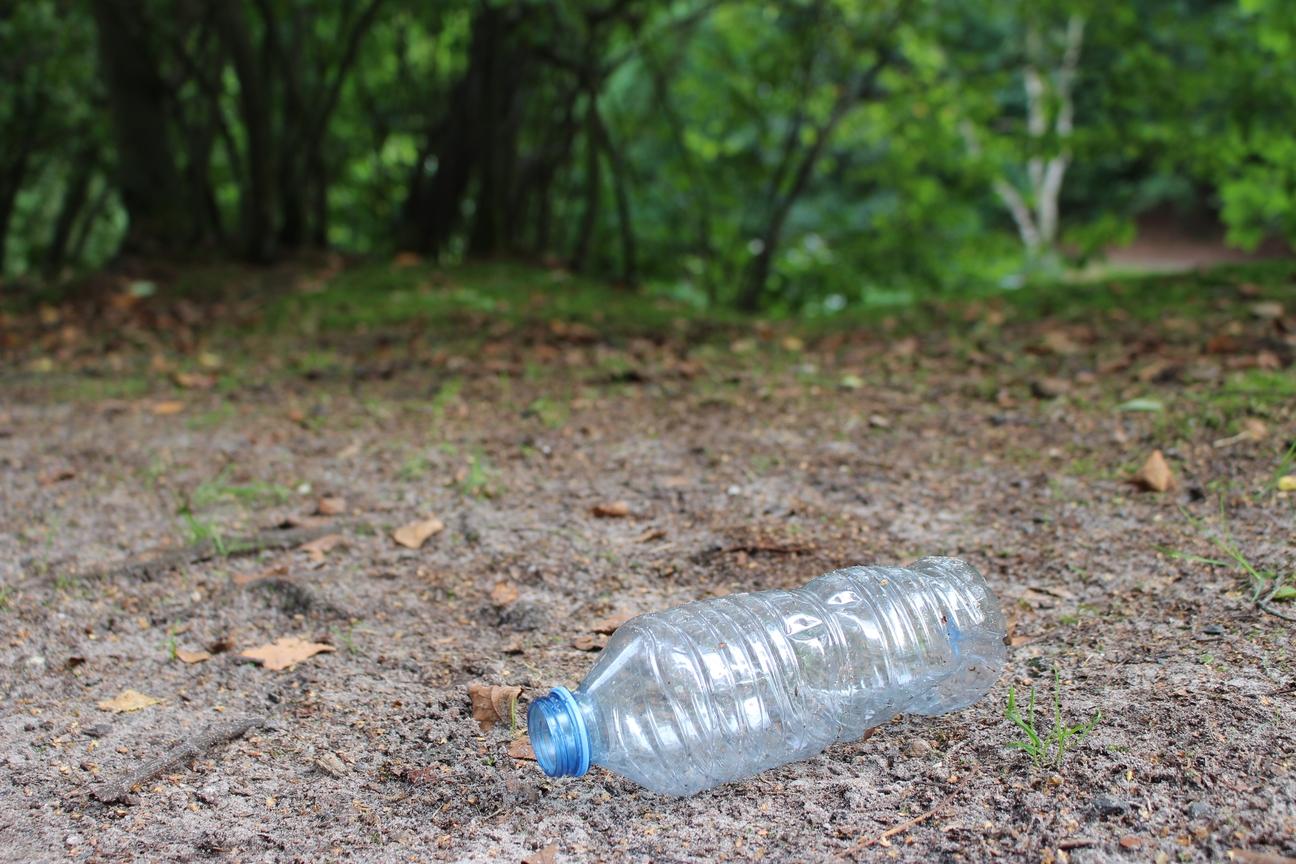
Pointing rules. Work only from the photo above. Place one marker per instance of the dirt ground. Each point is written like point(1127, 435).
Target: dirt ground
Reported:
point(752, 459)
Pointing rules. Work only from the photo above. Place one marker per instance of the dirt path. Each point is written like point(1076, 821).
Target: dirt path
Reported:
point(745, 466)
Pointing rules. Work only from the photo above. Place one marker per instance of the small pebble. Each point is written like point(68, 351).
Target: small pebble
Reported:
point(1200, 810)
point(73, 840)
point(331, 765)
point(917, 748)
point(1107, 805)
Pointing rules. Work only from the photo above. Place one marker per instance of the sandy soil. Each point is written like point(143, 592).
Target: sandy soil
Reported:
point(746, 464)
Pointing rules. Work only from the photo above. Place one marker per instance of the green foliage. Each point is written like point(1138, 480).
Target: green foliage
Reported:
point(1266, 586)
point(802, 156)
point(1049, 747)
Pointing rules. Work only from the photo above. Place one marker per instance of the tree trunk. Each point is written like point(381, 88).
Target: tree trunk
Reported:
point(9, 186)
point(593, 188)
point(85, 226)
point(74, 200)
point(150, 185)
point(476, 140)
point(621, 192)
point(257, 197)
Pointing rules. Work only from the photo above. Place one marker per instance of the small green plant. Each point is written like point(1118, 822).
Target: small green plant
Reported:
point(6, 597)
point(1285, 466)
point(1266, 586)
point(219, 489)
point(200, 531)
point(476, 480)
point(1047, 748)
point(414, 467)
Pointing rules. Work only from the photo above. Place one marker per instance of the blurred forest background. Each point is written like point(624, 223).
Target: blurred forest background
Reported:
point(805, 155)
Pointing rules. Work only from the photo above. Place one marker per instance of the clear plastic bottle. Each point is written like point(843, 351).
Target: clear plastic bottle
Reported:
point(709, 692)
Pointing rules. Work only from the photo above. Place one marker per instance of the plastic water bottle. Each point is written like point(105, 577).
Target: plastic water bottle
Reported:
point(709, 692)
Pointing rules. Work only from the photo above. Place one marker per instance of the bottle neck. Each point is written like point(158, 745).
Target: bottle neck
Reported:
point(559, 734)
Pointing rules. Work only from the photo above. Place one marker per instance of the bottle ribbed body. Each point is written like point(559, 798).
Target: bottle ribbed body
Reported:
point(698, 695)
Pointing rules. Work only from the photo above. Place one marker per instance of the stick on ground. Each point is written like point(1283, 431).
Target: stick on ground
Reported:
point(218, 733)
point(898, 829)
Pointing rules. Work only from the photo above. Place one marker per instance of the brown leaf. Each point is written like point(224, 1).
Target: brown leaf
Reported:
point(164, 409)
point(320, 546)
point(1255, 428)
point(609, 624)
point(520, 748)
point(611, 510)
point(1155, 475)
point(128, 700)
point(57, 476)
point(1267, 310)
point(651, 534)
point(1049, 388)
point(331, 505)
point(242, 579)
point(285, 652)
point(504, 593)
point(590, 643)
point(492, 703)
point(415, 534)
point(194, 380)
point(192, 656)
point(547, 855)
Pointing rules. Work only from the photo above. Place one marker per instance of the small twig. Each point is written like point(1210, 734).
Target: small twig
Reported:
point(897, 829)
point(767, 548)
point(220, 733)
point(155, 562)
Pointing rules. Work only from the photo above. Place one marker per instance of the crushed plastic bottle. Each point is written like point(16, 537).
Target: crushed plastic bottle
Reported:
point(714, 691)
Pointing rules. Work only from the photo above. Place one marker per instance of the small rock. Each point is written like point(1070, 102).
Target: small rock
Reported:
point(1200, 810)
point(73, 840)
point(213, 793)
point(1049, 388)
point(917, 748)
point(1213, 630)
point(331, 765)
point(1267, 310)
point(1107, 805)
point(98, 730)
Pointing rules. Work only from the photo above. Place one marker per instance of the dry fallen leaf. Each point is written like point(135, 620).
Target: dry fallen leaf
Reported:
point(1287, 484)
point(285, 652)
point(192, 656)
point(1155, 475)
point(1267, 310)
point(492, 703)
point(128, 700)
point(547, 855)
point(520, 748)
point(590, 643)
point(320, 546)
point(415, 534)
point(609, 624)
point(278, 571)
point(195, 380)
point(163, 409)
point(331, 505)
point(650, 535)
point(504, 593)
point(611, 510)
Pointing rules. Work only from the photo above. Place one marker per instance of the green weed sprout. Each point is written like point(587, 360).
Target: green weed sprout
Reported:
point(1047, 748)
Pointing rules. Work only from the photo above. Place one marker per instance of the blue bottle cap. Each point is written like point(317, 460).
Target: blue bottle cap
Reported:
point(558, 734)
